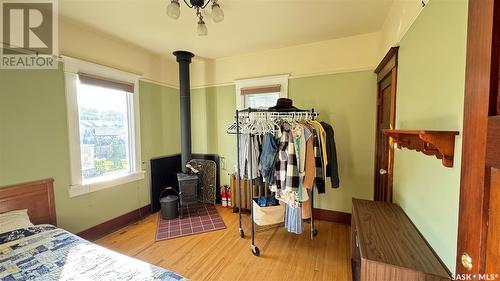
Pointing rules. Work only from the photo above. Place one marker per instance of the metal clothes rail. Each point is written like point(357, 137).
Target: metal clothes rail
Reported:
point(267, 114)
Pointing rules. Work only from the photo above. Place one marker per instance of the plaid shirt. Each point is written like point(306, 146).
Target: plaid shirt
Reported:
point(292, 170)
point(282, 159)
point(319, 181)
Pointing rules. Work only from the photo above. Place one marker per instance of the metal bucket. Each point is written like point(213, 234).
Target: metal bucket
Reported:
point(169, 207)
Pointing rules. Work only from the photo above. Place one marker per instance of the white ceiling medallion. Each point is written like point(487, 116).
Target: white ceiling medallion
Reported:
point(174, 11)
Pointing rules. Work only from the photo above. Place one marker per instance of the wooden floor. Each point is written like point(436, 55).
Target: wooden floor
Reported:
point(223, 255)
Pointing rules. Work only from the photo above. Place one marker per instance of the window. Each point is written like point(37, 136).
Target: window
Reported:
point(261, 92)
point(264, 100)
point(103, 123)
point(104, 131)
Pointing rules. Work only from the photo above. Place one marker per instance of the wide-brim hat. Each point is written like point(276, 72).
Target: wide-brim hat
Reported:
point(284, 104)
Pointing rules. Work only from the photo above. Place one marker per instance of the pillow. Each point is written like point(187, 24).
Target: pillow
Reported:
point(14, 220)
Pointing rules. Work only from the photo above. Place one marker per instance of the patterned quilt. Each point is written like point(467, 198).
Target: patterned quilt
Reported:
point(45, 252)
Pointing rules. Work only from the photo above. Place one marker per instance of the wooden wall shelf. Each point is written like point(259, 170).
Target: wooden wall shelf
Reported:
point(438, 143)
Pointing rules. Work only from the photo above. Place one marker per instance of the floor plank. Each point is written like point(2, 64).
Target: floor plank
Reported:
point(223, 255)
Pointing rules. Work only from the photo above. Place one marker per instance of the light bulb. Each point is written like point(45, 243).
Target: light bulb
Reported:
point(202, 28)
point(173, 9)
point(217, 13)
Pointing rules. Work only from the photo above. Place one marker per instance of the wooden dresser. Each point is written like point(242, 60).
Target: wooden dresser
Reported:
point(386, 246)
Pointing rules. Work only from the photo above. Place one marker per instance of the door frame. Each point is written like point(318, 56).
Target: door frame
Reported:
point(388, 65)
point(481, 83)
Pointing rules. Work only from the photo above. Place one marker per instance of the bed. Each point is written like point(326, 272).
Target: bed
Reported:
point(46, 252)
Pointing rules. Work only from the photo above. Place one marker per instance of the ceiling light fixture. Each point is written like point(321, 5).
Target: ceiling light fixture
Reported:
point(174, 11)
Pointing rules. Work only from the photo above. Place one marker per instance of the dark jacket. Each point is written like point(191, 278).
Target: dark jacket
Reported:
point(332, 170)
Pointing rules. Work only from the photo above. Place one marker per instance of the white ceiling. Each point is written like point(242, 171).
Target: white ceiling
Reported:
point(249, 25)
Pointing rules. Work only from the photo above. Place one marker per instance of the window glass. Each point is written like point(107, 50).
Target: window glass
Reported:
point(261, 100)
point(104, 131)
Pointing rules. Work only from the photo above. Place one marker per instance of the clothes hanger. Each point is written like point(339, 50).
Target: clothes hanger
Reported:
point(265, 124)
point(248, 126)
point(277, 126)
point(254, 127)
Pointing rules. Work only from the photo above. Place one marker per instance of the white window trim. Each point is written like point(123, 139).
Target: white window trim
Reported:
point(72, 67)
point(261, 81)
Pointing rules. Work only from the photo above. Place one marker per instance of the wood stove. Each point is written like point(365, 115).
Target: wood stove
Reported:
point(188, 189)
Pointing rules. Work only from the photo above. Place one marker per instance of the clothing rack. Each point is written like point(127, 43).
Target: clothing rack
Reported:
point(267, 114)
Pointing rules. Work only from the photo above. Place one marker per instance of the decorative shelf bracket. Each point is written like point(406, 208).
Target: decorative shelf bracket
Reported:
point(438, 143)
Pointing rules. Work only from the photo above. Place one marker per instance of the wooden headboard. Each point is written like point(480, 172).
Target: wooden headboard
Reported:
point(37, 197)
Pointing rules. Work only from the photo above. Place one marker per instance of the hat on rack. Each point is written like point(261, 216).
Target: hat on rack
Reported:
point(284, 104)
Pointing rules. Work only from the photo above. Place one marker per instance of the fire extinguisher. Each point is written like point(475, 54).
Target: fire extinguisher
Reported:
point(223, 193)
point(228, 194)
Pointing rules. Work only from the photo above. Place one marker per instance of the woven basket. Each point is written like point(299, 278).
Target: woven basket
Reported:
point(268, 215)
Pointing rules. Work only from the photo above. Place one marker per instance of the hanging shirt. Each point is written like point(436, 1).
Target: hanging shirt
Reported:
point(268, 158)
point(319, 180)
point(322, 136)
point(292, 170)
point(332, 170)
point(310, 166)
point(301, 135)
point(249, 170)
point(281, 160)
point(293, 220)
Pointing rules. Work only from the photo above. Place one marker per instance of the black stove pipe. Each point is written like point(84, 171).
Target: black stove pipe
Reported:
point(184, 59)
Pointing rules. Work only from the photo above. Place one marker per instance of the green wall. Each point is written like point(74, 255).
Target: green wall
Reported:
point(34, 143)
point(212, 111)
point(160, 120)
point(347, 101)
point(430, 95)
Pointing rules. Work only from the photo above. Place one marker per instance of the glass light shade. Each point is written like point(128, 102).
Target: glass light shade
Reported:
point(173, 10)
point(202, 28)
point(217, 13)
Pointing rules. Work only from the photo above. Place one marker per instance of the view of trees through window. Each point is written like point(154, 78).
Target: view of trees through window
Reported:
point(261, 100)
point(104, 131)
